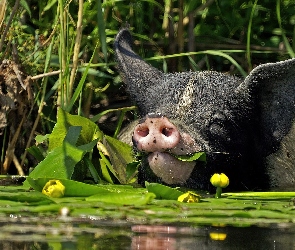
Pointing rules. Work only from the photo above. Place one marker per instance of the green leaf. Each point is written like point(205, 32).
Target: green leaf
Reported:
point(260, 195)
point(106, 166)
point(41, 138)
point(89, 146)
point(131, 170)
point(120, 155)
point(123, 198)
point(200, 156)
point(73, 134)
point(72, 188)
point(94, 72)
point(79, 189)
point(162, 191)
point(36, 152)
point(22, 195)
point(59, 163)
point(25, 5)
point(90, 130)
point(92, 170)
point(49, 5)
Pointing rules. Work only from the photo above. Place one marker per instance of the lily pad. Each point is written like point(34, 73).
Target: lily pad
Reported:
point(72, 188)
point(123, 198)
point(23, 195)
point(162, 191)
point(80, 189)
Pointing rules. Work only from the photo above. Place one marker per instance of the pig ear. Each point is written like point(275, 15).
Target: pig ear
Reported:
point(137, 74)
point(273, 87)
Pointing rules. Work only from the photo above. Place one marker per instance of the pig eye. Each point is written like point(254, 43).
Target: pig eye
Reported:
point(217, 130)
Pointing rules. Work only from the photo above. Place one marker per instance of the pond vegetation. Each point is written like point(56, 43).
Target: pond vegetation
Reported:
point(63, 104)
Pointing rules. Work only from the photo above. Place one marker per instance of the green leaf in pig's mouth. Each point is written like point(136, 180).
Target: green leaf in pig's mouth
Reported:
point(198, 156)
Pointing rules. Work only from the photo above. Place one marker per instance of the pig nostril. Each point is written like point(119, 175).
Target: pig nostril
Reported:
point(143, 132)
point(167, 131)
point(154, 134)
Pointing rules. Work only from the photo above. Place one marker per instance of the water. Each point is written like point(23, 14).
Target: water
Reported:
point(18, 232)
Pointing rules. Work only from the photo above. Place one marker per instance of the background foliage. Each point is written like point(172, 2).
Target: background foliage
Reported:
point(62, 53)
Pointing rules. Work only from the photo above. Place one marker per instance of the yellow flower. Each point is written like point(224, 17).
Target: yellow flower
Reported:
point(54, 189)
point(219, 180)
point(218, 236)
point(189, 197)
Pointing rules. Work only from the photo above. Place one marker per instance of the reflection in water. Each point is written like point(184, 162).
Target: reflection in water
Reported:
point(170, 237)
point(154, 237)
point(150, 242)
point(99, 234)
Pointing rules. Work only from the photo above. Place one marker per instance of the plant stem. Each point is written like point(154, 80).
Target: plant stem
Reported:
point(76, 48)
point(218, 192)
point(249, 35)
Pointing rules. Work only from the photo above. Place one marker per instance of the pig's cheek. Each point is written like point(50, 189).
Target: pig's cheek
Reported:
point(170, 169)
point(186, 145)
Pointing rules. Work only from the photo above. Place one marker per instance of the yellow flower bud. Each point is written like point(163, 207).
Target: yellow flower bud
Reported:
point(189, 197)
point(54, 189)
point(219, 180)
point(218, 236)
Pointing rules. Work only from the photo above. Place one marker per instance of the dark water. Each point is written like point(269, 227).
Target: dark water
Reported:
point(93, 233)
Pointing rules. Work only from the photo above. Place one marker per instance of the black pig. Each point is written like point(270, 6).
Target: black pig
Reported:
point(245, 126)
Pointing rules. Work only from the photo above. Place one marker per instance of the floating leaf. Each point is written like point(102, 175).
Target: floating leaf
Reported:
point(23, 195)
point(260, 195)
point(162, 191)
point(123, 198)
point(115, 194)
point(72, 188)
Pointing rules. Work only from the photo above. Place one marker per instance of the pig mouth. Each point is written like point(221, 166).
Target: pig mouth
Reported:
point(170, 169)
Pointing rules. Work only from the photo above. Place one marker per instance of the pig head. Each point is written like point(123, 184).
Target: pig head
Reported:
point(245, 126)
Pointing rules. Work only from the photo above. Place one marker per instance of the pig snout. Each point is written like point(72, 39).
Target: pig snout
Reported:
point(156, 134)
point(158, 137)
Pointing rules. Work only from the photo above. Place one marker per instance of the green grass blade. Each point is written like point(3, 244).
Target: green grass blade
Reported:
point(249, 35)
point(79, 88)
point(101, 30)
point(285, 39)
point(205, 52)
point(98, 116)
